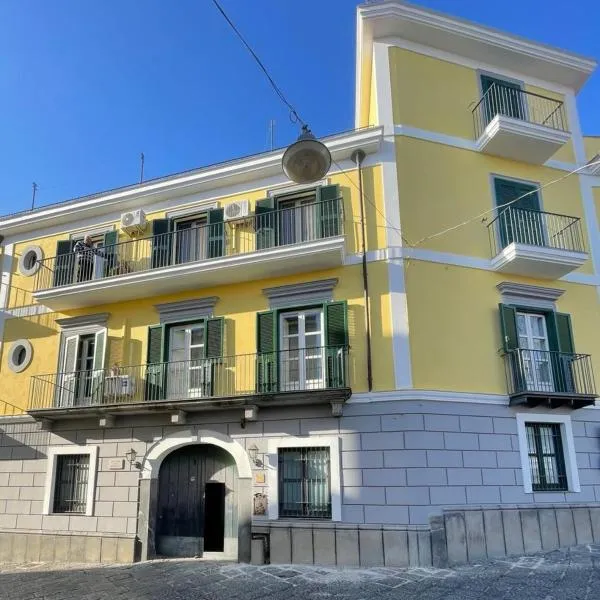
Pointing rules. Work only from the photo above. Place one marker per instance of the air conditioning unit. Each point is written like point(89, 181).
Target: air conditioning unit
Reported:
point(236, 210)
point(134, 221)
point(119, 386)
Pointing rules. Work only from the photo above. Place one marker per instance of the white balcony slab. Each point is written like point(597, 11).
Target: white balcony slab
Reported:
point(273, 262)
point(521, 140)
point(537, 261)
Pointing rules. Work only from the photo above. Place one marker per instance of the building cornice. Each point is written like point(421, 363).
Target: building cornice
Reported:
point(213, 177)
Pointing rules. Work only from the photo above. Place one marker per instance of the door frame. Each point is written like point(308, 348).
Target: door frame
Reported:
point(148, 488)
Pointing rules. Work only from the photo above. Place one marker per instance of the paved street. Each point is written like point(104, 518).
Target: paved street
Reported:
point(570, 574)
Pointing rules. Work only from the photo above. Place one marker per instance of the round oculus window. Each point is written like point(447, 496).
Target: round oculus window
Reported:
point(20, 355)
point(30, 260)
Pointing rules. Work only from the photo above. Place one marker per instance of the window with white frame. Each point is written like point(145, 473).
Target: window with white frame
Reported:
point(547, 453)
point(70, 480)
point(71, 483)
point(304, 478)
point(304, 483)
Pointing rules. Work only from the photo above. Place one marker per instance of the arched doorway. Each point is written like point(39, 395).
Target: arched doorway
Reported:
point(197, 504)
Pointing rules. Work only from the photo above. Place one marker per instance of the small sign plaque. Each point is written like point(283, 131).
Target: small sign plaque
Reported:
point(116, 464)
point(259, 477)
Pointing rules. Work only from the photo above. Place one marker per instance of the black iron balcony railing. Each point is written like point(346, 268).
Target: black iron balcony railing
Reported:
point(548, 373)
point(535, 228)
point(260, 232)
point(518, 104)
point(303, 370)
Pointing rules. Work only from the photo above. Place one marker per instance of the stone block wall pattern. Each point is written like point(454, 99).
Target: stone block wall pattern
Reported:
point(391, 479)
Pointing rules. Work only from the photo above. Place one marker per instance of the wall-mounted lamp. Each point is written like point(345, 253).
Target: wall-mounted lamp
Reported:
point(131, 458)
point(253, 453)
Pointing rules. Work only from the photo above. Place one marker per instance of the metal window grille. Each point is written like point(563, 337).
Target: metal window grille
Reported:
point(304, 483)
point(71, 483)
point(546, 457)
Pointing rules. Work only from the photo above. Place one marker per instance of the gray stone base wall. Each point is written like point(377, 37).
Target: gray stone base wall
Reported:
point(47, 547)
point(453, 538)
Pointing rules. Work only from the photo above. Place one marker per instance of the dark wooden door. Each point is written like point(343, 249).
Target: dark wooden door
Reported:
point(197, 507)
point(179, 519)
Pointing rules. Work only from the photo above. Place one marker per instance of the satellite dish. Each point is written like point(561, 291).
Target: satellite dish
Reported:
point(306, 160)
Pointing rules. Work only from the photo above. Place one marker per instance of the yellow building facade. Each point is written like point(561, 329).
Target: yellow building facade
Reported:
point(226, 340)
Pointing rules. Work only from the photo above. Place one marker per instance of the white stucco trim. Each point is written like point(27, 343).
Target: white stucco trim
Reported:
point(391, 189)
point(53, 453)
point(567, 442)
point(463, 143)
point(429, 396)
point(157, 452)
point(321, 441)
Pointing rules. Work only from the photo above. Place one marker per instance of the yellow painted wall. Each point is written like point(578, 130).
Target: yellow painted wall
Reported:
point(596, 192)
point(455, 332)
point(441, 186)
point(373, 113)
point(438, 95)
point(21, 286)
point(432, 94)
point(129, 321)
point(592, 145)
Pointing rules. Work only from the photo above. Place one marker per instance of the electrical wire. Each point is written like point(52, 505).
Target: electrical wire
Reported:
point(390, 226)
point(280, 94)
point(486, 212)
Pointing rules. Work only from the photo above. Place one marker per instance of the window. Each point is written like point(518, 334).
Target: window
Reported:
point(70, 489)
point(519, 221)
point(81, 374)
point(304, 483)
point(19, 356)
point(502, 98)
point(546, 457)
point(541, 352)
point(547, 451)
point(302, 361)
point(70, 480)
point(302, 350)
point(182, 359)
point(30, 260)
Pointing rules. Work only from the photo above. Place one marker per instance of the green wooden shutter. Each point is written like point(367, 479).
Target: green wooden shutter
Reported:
point(216, 233)
point(111, 238)
point(98, 368)
point(336, 338)
point(266, 348)
point(560, 338)
point(155, 366)
point(266, 225)
point(64, 263)
point(214, 337)
point(328, 211)
point(508, 327)
point(336, 324)
point(162, 243)
point(565, 333)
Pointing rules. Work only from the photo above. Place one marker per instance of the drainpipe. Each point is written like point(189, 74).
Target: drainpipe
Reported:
point(358, 156)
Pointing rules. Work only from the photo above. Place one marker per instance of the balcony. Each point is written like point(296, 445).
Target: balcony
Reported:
point(551, 379)
point(317, 375)
point(519, 125)
point(293, 240)
point(536, 244)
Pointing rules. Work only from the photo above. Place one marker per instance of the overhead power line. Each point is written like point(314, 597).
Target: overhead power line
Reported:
point(293, 112)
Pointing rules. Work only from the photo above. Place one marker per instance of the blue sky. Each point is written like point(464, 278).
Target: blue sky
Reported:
point(86, 85)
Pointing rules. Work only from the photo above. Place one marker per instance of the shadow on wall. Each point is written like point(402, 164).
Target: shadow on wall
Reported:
point(30, 327)
point(23, 441)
